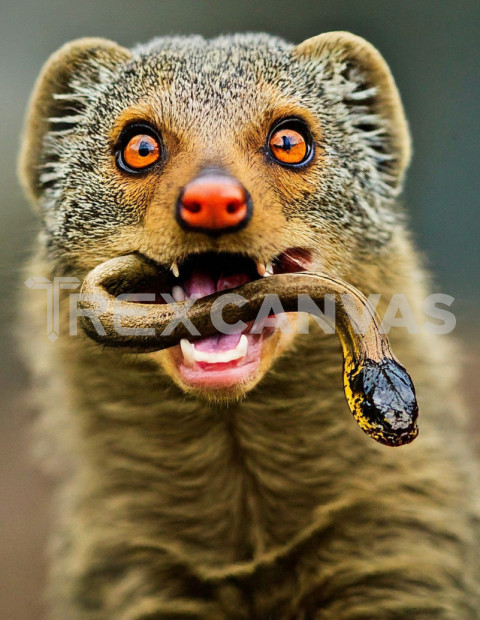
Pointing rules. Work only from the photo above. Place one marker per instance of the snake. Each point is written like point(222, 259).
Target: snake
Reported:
point(378, 389)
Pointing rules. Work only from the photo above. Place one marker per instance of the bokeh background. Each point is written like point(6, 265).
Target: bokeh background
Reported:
point(432, 47)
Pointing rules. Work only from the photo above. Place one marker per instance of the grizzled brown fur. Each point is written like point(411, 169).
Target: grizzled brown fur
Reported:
point(271, 504)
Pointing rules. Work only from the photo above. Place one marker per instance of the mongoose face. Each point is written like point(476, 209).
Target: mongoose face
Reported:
point(314, 135)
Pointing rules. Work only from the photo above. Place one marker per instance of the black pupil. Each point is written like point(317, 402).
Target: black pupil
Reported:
point(287, 145)
point(145, 148)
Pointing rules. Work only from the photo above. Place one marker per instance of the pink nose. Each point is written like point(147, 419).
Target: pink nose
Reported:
point(213, 203)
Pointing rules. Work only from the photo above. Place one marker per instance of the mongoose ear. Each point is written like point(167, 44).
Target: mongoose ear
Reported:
point(370, 94)
point(56, 102)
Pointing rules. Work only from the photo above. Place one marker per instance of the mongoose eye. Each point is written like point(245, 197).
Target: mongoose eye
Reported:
point(290, 143)
point(139, 148)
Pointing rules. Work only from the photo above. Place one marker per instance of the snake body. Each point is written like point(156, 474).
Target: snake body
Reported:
point(378, 389)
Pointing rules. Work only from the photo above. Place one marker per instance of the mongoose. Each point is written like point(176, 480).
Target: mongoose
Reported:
point(196, 482)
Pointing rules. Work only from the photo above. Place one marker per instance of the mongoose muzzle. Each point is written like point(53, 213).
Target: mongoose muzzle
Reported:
point(379, 391)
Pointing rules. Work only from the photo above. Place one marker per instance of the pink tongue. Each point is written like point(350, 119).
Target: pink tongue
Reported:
point(232, 281)
point(219, 342)
point(201, 284)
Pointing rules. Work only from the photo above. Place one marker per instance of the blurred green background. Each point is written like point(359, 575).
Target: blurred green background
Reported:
point(432, 47)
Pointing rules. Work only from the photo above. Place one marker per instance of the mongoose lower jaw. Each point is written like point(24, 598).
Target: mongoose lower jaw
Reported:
point(223, 361)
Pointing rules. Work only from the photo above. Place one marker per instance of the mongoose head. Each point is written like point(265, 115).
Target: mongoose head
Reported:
point(131, 151)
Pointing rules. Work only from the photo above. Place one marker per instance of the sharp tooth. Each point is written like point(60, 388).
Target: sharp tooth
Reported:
point(175, 270)
point(188, 351)
point(178, 293)
point(261, 269)
point(242, 346)
point(268, 270)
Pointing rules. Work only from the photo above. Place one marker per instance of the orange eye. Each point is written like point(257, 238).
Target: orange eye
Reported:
point(141, 151)
point(289, 145)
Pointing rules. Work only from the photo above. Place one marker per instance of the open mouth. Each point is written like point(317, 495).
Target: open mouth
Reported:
point(225, 360)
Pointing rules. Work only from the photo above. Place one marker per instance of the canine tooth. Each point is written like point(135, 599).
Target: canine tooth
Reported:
point(188, 351)
point(175, 269)
point(178, 293)
point(242, 346)
point(224, 356)
point(268, 270)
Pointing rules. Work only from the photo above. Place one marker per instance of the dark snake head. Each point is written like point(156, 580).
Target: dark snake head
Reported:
point(384, 402)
